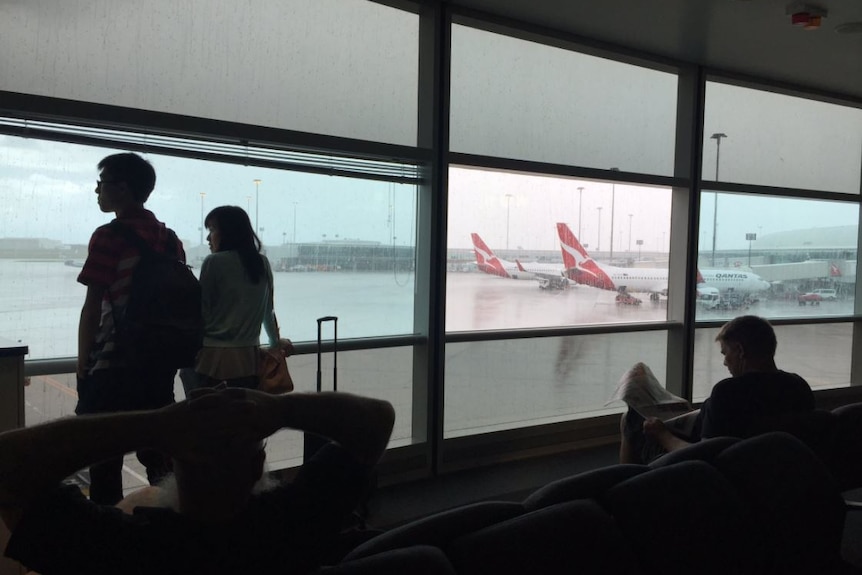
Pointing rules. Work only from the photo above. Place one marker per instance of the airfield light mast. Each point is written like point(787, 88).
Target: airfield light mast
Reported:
point(717, 137)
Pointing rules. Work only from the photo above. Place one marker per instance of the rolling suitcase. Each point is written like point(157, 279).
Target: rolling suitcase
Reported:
point(313, 442)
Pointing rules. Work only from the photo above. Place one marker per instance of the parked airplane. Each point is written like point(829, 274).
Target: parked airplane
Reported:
point(489, 263)
point(583, 269)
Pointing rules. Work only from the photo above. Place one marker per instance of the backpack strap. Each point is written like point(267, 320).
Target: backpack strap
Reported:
point(173, 241)
point(133, 238)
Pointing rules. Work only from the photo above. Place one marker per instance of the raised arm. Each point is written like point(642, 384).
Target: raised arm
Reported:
point(270, 323)
point(36, 459)
point(361, 425)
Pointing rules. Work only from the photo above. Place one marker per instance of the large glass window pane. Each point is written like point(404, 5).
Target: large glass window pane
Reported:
point(776, 257)
point(517, 99)
point(503, 228)
point(338, 246)
point(758, 137)
point(509, 384)
point(385, 373)
point(820, 353)
point(339, 67)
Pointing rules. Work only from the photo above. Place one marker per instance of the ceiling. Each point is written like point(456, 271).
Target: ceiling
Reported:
point(751, 37)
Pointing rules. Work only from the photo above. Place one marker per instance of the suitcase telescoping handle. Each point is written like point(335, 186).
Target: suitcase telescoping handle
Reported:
point(320, 322)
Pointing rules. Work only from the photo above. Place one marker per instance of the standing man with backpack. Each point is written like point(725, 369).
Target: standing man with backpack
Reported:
point(113, 372)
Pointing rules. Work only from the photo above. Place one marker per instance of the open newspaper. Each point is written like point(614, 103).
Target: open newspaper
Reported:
point(642, 392)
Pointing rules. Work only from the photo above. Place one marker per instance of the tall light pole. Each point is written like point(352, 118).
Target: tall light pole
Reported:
point(256, 204)
point(613, 199)
point(717, 137)
point(294, 221)
point(630, 232)
point(750, 238)
point(599, 241)
point(508, 200)
point(580, 205)
point(202, 217)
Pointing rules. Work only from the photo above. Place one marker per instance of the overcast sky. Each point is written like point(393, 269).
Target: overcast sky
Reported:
point(478, 203)
point(48, 192)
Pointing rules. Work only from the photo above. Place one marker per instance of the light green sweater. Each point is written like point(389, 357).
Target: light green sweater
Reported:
point(233, 307)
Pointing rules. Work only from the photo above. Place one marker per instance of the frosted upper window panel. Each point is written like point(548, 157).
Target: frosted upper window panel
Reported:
point(337, 67)
point(517, 99)
point(781, 141)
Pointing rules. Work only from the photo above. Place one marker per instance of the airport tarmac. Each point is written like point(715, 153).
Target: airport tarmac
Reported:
point(514, 383)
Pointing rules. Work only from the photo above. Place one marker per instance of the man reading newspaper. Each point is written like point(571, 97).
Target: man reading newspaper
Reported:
point(752, 401)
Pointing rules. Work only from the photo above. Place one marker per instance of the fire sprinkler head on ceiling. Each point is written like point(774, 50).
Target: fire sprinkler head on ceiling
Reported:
point(808, 16)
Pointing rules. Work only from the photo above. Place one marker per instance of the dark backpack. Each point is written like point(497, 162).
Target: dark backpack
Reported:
point(161, 324)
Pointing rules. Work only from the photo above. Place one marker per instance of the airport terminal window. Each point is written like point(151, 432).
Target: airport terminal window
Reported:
point(776, 257)
point(513, 98)
point(339, 246)
point(821, 353)
point(509, 384)
point(761, 137)
point(345, 68)
point(503, 228)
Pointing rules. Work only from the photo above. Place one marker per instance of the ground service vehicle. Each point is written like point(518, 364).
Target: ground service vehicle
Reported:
point(811, 297)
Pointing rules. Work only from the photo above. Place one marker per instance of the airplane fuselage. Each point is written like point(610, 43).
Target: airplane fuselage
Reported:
point(642, 280)
point(655, 280)
point(738, 281)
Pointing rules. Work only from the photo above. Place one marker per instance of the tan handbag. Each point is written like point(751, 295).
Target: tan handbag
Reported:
point(272, 366)
point(272, 371)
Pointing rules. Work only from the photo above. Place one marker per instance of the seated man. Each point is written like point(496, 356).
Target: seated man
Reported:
point(751, 402)
point(218, 525)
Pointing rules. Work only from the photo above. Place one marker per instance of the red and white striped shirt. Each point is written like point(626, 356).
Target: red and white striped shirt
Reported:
point(110, 264)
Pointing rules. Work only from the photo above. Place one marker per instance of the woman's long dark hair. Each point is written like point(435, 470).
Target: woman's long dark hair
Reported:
point(236, 233)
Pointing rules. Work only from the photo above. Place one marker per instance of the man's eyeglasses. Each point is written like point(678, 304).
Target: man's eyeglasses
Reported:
point(99, 183)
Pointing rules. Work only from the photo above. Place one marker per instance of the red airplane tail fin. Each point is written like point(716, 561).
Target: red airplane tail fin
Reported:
point(580, 267)
point(485, 258)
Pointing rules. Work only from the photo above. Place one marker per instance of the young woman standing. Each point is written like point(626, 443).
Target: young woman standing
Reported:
point(237, 296)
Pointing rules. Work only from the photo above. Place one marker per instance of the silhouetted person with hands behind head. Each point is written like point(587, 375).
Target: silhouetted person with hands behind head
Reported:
point(217, 524)
point(754, 400)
